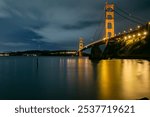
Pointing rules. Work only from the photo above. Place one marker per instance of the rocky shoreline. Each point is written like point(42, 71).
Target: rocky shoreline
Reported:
point(126, 49)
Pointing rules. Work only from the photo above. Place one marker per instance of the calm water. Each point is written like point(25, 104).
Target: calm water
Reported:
point(73, 78)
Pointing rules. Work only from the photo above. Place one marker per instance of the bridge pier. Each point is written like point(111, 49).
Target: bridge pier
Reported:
point(80, 54)
point(96, 53)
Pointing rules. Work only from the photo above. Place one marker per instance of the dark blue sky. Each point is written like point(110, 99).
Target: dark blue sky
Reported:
point(58, 24)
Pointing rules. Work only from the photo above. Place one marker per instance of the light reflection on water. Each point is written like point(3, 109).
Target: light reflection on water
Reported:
point(123, 79)
point(73, 78)
point(114, 79)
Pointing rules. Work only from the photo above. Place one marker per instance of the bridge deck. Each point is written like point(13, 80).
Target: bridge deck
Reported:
point(140, 31)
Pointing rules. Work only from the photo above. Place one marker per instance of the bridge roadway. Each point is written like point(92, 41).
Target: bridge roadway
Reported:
point(141, 29)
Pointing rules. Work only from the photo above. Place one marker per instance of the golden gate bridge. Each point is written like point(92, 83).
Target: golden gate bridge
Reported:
point(134, 35)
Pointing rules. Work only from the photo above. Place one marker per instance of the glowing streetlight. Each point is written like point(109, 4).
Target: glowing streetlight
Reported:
point(129, 36)
point(139, 34)
point(138, 26)
point(125, 37)
point(145, 33)
point(124, 31)
point(130, 29)
point(133, 35)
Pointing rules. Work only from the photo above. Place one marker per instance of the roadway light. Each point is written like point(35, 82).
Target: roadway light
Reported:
point(129, 36)
point(139, 34)
point(138, 26)
point(145, 33)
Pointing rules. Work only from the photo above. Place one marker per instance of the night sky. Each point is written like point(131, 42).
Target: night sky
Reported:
point(58, 24)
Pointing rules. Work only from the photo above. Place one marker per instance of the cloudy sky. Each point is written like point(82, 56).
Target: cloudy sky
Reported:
point(58, 24)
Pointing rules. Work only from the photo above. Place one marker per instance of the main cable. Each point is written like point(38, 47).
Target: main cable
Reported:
point(129, 15)
point(131, 20)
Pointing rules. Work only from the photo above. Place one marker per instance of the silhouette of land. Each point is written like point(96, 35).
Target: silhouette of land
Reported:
point(121, 50)
point(42, 53)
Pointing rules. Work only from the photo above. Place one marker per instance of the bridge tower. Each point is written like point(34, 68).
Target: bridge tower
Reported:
point(109, 20)
point(81, 46)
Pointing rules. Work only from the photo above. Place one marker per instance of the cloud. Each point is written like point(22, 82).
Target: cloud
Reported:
point(12, 44)
point(81, 25)
point(56, 24)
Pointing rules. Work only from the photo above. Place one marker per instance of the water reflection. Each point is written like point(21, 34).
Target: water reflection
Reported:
point(136, 78)
point(108, 79)
point(80, 78)
point(123, 79)
point(73, 78)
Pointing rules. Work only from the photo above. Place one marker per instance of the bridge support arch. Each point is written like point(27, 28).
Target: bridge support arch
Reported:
point(96, 53)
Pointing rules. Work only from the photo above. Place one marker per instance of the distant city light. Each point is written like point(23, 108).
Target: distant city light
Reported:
point(124, 31)
point(130, 29)
point(125, 37)
point(133, 35)
point(119, 33)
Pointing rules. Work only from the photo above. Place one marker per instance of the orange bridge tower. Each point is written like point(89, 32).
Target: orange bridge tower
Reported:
point(81, 45)
point(109, 20)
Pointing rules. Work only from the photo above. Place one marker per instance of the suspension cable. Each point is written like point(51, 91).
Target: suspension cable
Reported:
point(129, 19)
point(99, 31)
point(129, 14)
